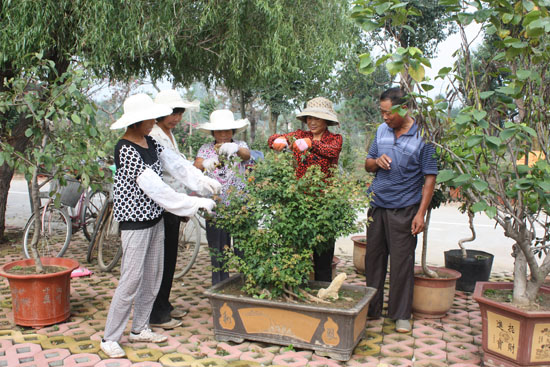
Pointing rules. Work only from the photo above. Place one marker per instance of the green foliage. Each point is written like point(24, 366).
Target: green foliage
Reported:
point(412, 28)
point(279, 221)
point(62, 116)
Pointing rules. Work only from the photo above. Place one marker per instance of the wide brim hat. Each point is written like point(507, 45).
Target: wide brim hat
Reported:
point(224, 120)
point(320, 107)
point(140, 107)
point(172, 98)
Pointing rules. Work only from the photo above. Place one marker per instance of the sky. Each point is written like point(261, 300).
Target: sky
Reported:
point(444, 57)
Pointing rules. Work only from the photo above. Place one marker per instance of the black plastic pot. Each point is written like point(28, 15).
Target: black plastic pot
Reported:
point(475, 268)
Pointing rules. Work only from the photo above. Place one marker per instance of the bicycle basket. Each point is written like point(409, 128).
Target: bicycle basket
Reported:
point(70, 193)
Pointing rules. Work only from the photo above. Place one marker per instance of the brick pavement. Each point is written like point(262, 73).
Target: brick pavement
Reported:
point(452, 341)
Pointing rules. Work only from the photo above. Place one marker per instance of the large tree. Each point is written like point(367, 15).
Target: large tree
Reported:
point(247, 45)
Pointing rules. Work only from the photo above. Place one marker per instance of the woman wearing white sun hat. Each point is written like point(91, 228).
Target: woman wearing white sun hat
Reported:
point(222, 126)
point(164, 315)
point(140, 197)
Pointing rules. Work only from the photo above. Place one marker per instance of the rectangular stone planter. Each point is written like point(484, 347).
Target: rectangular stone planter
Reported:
point(330, 332)
point(511, 336)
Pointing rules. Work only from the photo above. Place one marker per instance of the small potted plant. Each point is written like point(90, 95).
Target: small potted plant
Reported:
point(434, 287)
point(62, 136)
point(277, 222)
point(474, 265)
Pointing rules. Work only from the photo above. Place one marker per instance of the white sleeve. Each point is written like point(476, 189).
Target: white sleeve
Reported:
point(174, 202)
point(182, 170)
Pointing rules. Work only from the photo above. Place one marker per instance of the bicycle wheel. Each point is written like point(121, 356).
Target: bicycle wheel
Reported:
point(92, 246)
point(55, 233)
point(109, 245)
point(92, 206)
point(188, 246)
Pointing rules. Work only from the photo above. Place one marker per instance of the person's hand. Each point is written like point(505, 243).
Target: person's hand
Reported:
point(229, 149)
point(207, 204)
point(302, 144)
point(211, 185)
point(418, 224)
point(279, 144)
point(210, 164)
point(383, 162)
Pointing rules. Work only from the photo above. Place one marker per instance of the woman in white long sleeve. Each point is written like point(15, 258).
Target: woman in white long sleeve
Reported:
point(164, 315)
point(140, 197)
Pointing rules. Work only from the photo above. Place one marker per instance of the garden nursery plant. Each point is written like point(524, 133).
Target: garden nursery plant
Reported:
point(277, 221)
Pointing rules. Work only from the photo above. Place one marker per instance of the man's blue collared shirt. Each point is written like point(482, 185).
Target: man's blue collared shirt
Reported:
point(412, 159)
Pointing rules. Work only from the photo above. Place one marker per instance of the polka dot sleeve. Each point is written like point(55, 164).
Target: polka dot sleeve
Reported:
point(131, 162)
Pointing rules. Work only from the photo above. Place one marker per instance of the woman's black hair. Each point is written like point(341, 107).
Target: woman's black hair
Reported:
point(175, 110)
point(135, 125)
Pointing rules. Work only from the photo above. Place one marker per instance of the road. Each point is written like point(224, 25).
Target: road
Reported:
point(447, 226)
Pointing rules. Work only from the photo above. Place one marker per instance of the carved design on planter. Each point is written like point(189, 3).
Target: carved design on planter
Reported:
point(263, 320)
point(541, 343)
point(330, 333)
point(226, 317)
point(503, 334)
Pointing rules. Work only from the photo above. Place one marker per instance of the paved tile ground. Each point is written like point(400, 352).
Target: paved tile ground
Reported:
point(452, 341)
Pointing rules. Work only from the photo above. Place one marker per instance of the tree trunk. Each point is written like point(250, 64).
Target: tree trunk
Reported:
point(242, 104)
point(273, 117)
point(19, 142)
point(253, 123)
point(427, 271)
point(272, 121)
point(6, 174)
point(520, 277)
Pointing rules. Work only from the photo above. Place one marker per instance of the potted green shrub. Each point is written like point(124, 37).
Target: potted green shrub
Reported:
point(63, 138)
point(502, 100)
point(434, 287)
point(277, 222)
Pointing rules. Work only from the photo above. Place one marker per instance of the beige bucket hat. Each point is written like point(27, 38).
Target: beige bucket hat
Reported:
point(172, 98)
point(322, 108)
point(224, 120)
point(140, 107)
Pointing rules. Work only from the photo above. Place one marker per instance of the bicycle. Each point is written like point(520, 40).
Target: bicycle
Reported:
point(58, 224)
point(106, 238)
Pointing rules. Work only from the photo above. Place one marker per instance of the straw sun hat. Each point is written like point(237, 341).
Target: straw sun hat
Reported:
point(322, 108)
point(224, 120)
point(172, 98)
point(140, 107)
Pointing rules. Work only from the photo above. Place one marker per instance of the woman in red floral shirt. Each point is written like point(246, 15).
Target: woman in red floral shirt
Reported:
point(317, 146)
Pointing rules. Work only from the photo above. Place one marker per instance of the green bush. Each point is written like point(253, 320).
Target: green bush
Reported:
point(278, 221)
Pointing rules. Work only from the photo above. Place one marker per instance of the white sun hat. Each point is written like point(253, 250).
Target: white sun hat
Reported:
point(172, 98)
point(322, 108)
point(140, 107)
point(224, 120)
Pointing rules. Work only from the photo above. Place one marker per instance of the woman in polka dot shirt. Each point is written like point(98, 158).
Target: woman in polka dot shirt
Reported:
point(140, 197)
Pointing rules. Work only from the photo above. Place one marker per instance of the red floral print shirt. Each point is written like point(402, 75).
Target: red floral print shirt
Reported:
point(324, 152)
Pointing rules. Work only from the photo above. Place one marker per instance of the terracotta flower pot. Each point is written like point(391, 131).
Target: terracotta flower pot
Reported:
point(512, 336)
point(433, 297)
point(359, 251)
point(40, 299)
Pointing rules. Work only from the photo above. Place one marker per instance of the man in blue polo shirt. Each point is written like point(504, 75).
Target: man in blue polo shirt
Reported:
point(405, 170)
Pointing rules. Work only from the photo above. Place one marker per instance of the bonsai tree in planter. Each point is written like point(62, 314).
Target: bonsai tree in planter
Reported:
point(278, 221)
point(63, 138)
